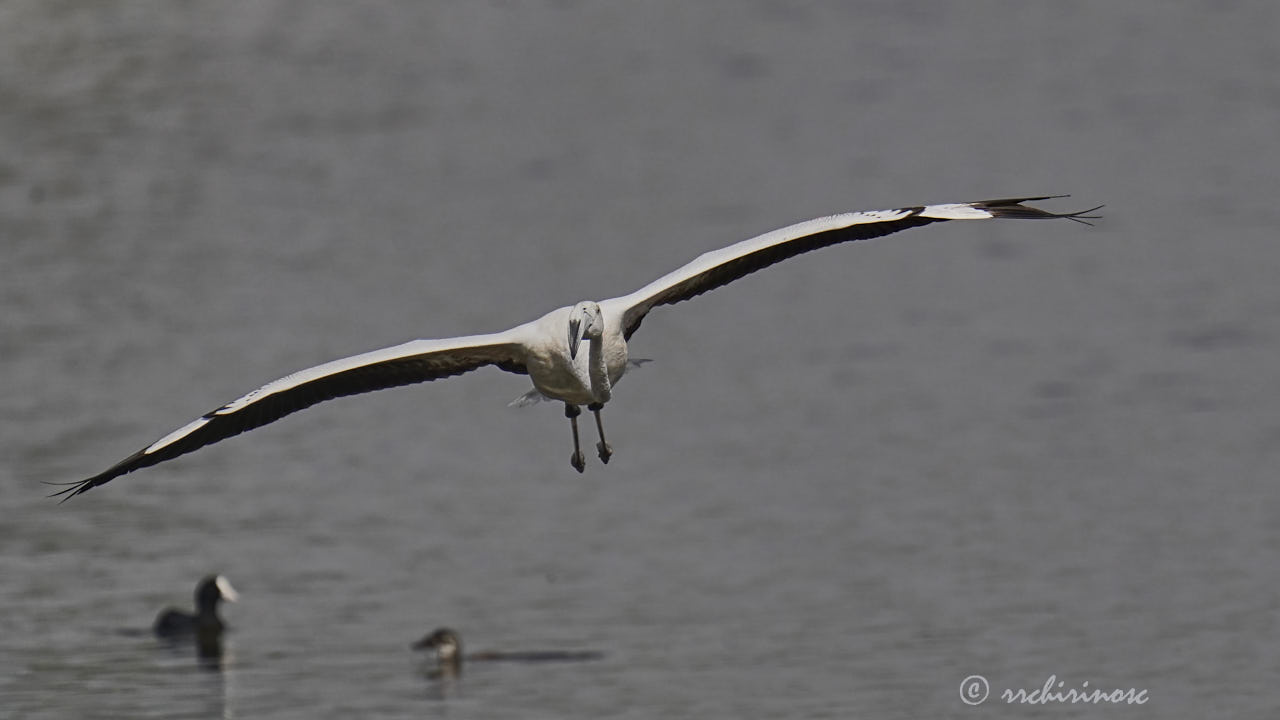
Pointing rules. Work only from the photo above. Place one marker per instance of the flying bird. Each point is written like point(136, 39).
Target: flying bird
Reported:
point(575, 355)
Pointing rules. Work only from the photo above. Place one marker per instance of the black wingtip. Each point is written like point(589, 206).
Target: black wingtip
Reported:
point(80, 487)
point(1014, 208)
point(76, 488)
point(1018, 200)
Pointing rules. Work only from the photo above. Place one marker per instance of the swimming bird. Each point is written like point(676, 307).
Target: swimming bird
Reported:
point(204, 624)
point(575, 355)
point(448, 653)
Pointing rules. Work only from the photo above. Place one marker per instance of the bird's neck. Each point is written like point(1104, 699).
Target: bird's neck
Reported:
point(598, 371)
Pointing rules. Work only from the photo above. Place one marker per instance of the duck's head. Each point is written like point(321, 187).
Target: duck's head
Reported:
point(445, 642)
point(212, 590)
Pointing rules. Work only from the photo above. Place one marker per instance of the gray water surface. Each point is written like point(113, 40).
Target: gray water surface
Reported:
point(845, 484)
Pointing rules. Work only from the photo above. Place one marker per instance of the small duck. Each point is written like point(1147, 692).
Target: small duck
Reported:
point(205, 625)
point(448, 650)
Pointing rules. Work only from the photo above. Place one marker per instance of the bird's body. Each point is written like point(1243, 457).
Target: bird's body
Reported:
point(174, 624)
point(572, 354)
point(568, 377)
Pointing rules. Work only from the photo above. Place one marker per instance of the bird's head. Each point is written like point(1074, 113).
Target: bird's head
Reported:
point(585, 321)
point(445, 642)
point(213, 589)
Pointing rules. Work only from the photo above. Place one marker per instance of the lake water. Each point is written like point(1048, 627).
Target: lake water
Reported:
point(1015, 450)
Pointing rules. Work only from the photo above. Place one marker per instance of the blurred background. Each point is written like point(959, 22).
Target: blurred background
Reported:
point(843, 485)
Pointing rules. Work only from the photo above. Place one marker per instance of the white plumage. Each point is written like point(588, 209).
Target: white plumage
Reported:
point(572, 354)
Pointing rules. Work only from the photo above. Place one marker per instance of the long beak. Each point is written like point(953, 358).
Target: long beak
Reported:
point(575, 337)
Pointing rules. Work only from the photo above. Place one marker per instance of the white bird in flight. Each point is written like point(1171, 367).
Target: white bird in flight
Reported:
point(572, 354)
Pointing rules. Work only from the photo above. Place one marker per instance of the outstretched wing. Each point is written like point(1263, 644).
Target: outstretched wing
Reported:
point(413, 362)
point(720, 267)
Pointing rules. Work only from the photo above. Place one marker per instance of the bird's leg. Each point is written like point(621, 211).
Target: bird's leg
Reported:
point(606, 451)
point(578, 462)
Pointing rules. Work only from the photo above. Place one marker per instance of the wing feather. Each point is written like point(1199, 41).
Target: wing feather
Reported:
point(412, 362)
point(721, 267)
